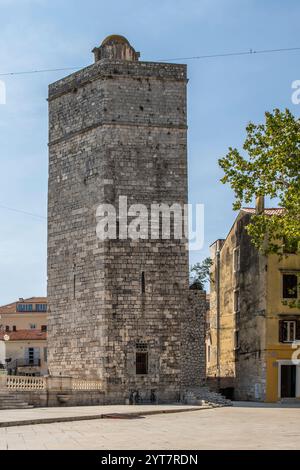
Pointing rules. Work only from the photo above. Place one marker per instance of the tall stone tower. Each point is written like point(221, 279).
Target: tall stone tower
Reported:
point(119, 309)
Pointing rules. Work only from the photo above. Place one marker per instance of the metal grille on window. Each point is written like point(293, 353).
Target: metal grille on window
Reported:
point(141, 359)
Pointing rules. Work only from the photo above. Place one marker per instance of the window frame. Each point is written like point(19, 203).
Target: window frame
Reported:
point(289, 322)
point(139, 370)
point(289, 273)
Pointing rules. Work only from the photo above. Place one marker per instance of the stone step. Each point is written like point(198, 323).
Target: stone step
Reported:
point(23, 406)
point(11, 401)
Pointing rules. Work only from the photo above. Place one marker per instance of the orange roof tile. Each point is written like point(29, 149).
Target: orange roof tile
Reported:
point(23, 335)
point(12, 308)
point(271, 211)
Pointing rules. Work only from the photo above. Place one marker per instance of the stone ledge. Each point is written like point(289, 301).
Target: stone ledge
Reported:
point(108, 415)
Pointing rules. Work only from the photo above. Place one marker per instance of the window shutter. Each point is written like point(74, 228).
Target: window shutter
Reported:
point(298, 330)
point(26, 356)
point(281, 331)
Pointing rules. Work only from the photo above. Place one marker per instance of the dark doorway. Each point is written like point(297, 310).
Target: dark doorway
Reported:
point(288, 381)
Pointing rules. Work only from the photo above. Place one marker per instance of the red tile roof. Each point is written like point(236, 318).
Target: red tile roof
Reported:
point(23, 335)
point(12, 308)
point(271, 211)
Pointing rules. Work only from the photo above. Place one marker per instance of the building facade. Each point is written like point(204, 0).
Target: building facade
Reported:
point(254, 321)
point(23, 337)
point(119, 309)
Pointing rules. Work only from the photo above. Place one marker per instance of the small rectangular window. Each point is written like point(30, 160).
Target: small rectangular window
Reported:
point(141, 359)
point(14, 328)
point(32, 326)
point(7, 329)
point(44, 328)
point(289, 286)
point(236, 339)
point(142, 363)
point(288, 331)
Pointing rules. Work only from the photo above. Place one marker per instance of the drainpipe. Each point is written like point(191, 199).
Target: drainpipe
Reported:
point(218, 318)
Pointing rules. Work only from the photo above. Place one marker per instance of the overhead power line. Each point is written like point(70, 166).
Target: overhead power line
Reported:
point(231, 54)
point(22, 212)
point(200, 57)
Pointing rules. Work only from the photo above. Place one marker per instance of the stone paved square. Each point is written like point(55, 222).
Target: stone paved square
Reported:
point(244, 426)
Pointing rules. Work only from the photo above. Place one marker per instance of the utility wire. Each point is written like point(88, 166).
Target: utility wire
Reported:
point(231, 54)
point(200, 57)
point(22, 212)
point(38, 71)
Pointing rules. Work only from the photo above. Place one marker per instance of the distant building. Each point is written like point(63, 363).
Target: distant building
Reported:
point(252, 350)
point(23, 337)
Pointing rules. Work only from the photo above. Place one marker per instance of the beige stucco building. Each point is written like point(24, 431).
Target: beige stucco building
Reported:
point(23, 337)
point(254, 321)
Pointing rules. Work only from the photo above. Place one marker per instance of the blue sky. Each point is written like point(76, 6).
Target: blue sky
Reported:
point(224, 94)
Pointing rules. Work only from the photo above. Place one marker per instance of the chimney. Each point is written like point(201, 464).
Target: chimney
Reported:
point(260, 205)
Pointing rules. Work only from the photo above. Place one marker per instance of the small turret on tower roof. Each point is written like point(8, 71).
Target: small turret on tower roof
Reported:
point(115, 47)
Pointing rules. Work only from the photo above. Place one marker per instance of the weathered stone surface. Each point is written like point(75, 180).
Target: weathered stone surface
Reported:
point(118, 128)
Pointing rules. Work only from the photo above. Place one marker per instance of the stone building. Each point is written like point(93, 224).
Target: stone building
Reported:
point(253, 326)
point(23, 337)
point(120, 310)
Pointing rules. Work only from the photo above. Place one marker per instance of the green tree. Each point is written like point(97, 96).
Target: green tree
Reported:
point(200, 274)
point(269, 166)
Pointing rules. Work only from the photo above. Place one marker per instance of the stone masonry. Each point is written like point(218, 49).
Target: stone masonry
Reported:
point(119, 128)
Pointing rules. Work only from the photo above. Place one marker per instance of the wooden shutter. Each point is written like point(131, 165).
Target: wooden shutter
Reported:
point(26, 354)
point(298, 330)
point(281, 331)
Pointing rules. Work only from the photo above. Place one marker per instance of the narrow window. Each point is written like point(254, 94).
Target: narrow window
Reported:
point(141, 359)
point(236, 259)
point(44, 328)
point(236, 301)
point(32, 326)
point(208, 353)
point(14, 328)
point(236, 339)
point(143, 283)
point(7, 328)
point(289, 286)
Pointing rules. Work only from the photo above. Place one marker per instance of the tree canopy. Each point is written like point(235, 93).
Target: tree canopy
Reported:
point(269, 166)
point(200, 274)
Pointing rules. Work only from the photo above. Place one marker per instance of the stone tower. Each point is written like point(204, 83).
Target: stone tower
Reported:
point(119, 310)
